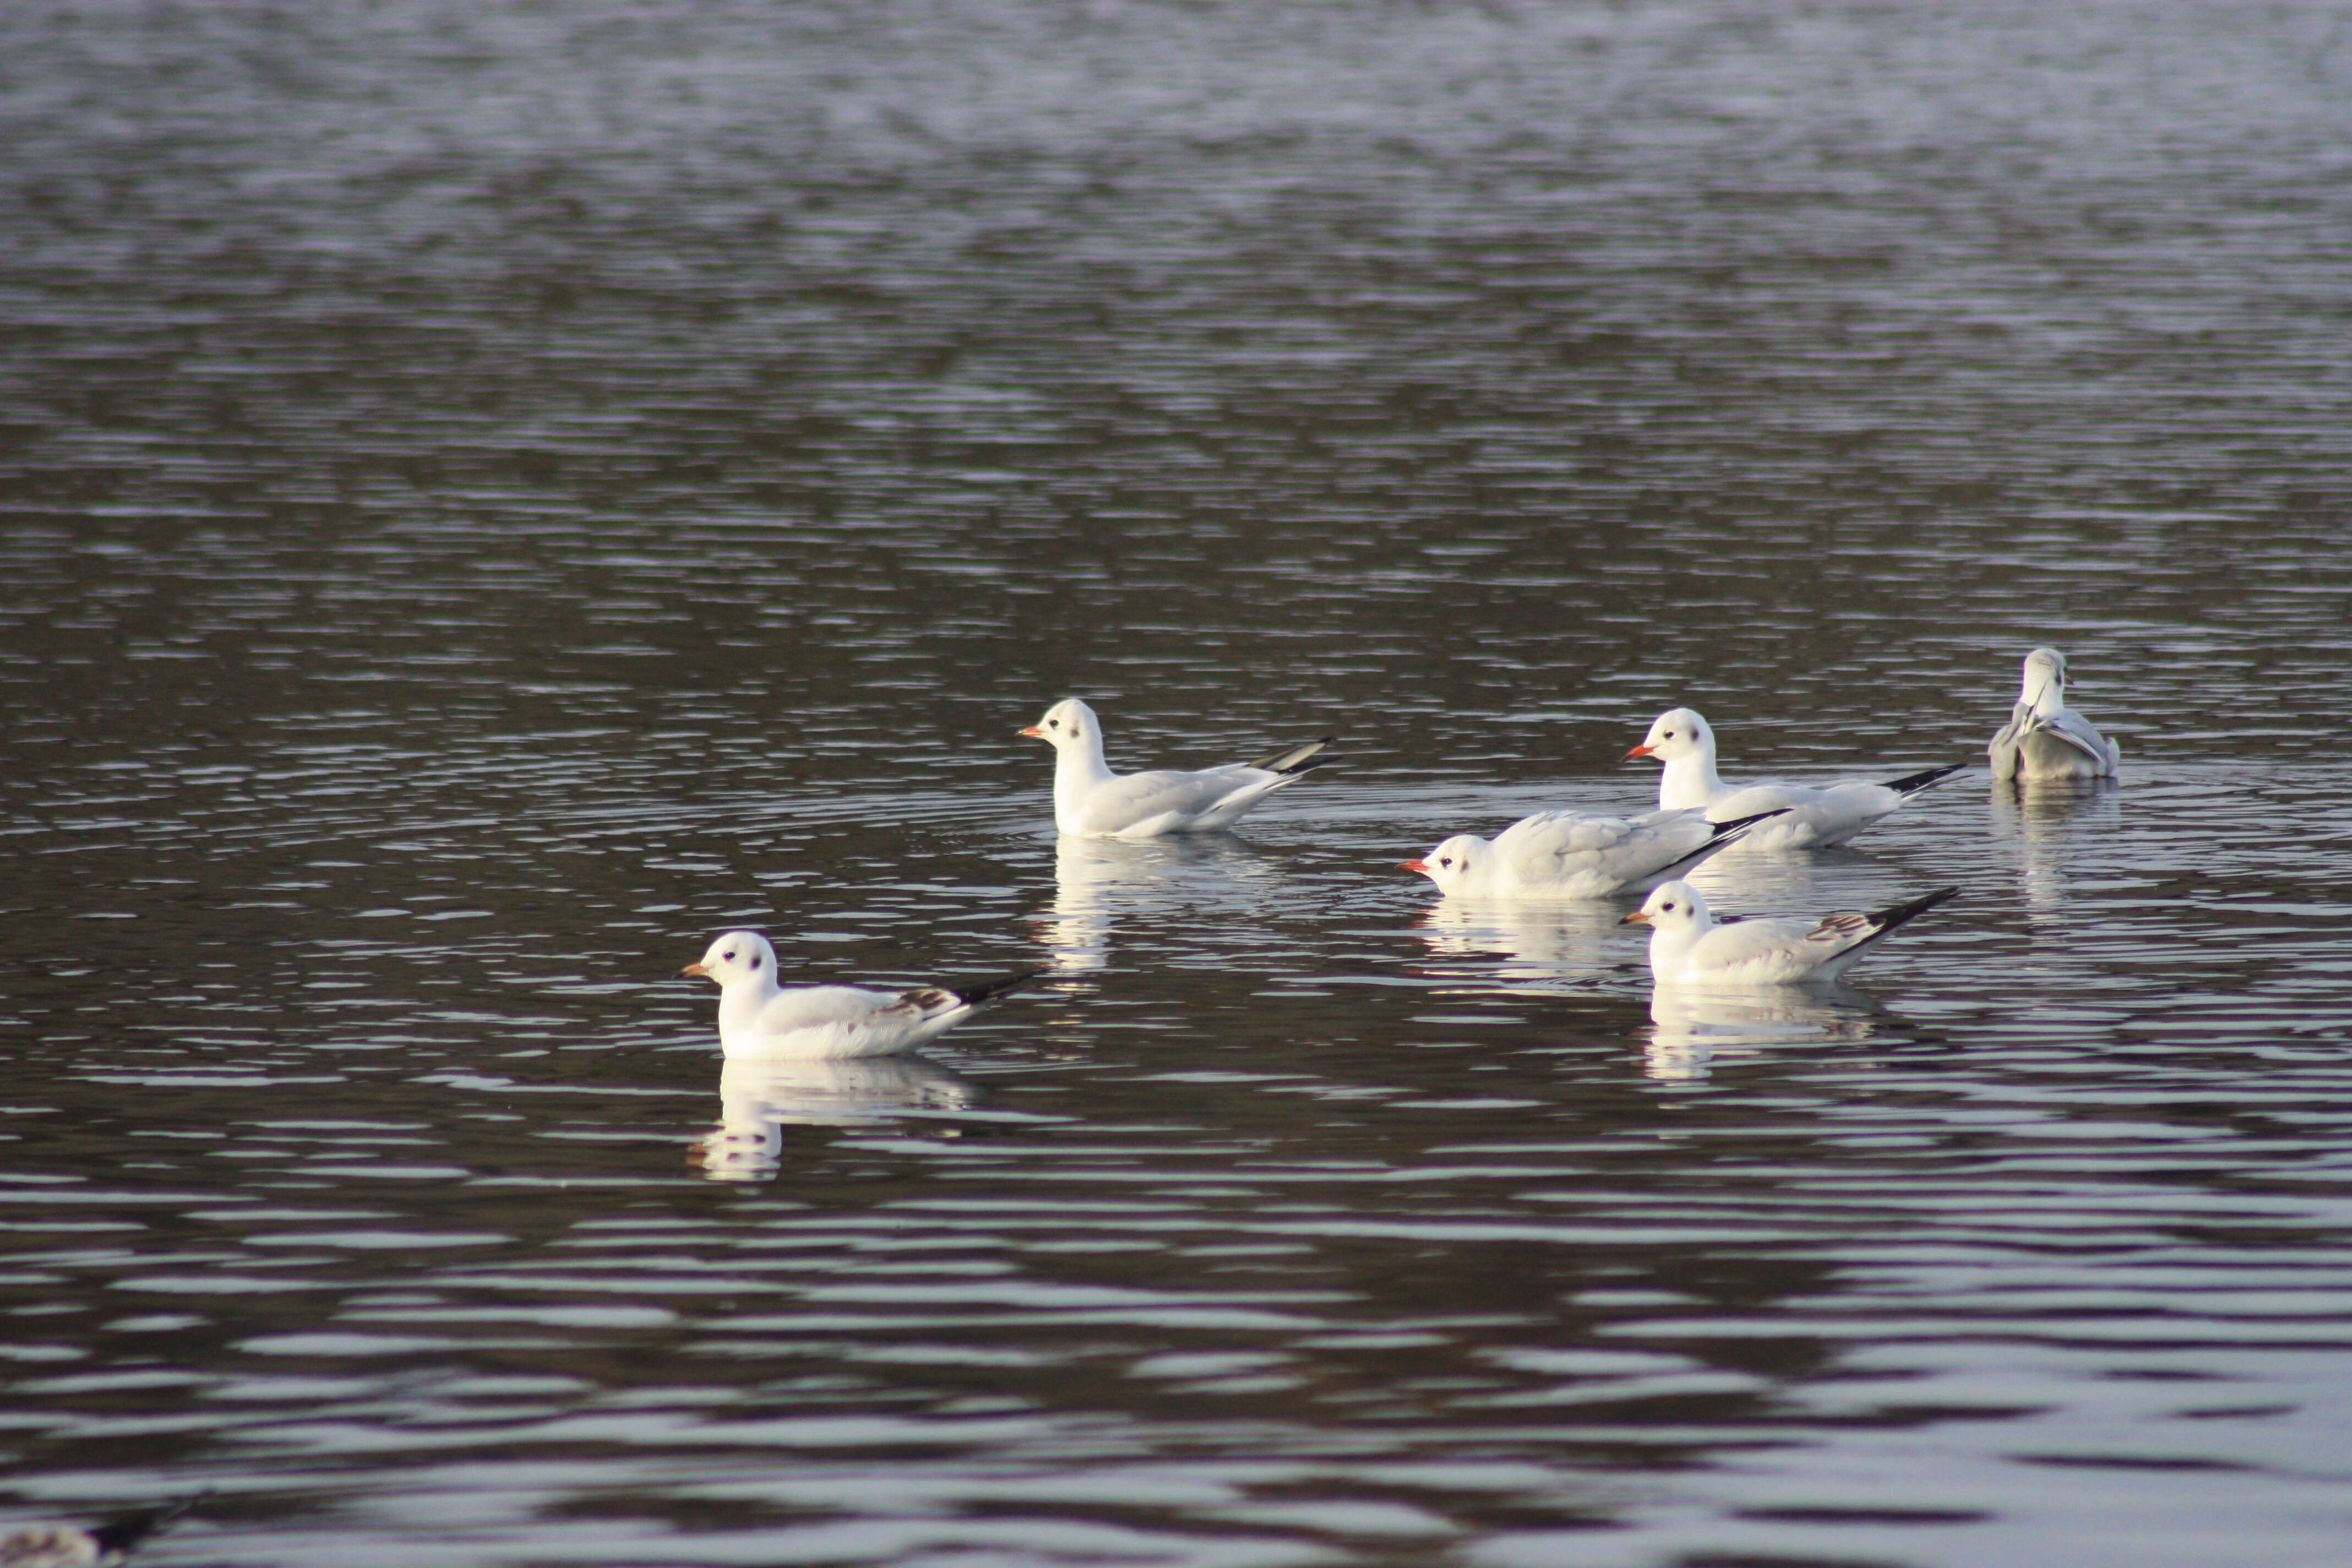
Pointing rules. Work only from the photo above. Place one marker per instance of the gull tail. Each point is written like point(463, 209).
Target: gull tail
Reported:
point(1893, 915)
point(1873, 926)
point(1910, 784)
point(1294, 759)
point(988, 991)
point(1724, 832)
point(121, 1535)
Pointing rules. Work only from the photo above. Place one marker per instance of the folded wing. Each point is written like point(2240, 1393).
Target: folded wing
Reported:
point(1161, 801)
point(2072, 729)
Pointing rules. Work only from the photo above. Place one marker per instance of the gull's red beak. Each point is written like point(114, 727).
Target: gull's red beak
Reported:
point(1032, 730)
point(1636, 919)
point(1639, 751)
point(693, 969)
point(1420, 866)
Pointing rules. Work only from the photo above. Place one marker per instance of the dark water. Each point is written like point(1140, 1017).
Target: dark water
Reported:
point(492, 496)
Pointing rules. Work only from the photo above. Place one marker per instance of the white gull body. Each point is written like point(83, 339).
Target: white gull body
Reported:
point(2044, 739)
point(1096, 803)
point(1577, 854)
point(1815, 817)
point(759, 1019)
point(1687, 947)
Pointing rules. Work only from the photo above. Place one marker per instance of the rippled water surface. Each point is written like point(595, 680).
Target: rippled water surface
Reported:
point(492, 495)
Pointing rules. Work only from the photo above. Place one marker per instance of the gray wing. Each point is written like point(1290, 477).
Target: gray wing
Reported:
point(1569, 841)
point(816, 1006)
point(2081, 734)
point(1134, 799)
point(1750, 941)
point(1624, 849)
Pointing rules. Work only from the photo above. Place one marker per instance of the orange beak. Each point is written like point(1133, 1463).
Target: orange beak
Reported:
point(1639, 751)
point(1032, 730)
point(692, 969)
point(1420, 866)
point(1636, 919)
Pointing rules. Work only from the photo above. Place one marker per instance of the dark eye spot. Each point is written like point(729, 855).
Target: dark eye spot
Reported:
point(1052, 723)
point(1670, 734)
point(726, 958)
point(1448, 860)
point(1666, 905)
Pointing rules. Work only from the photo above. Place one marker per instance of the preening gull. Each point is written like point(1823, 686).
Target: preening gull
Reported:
point(2044, 739)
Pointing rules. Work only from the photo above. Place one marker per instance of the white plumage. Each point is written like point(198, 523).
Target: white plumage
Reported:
point(2044, 739)
point(1577, 854)
point(1688, 948)
point(1816, 817)
point(1091, 800)
point(760, 1018)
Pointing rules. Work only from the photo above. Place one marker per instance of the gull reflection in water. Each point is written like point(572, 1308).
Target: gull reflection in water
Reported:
point(1691, 1025)
point(1543, 945)
point(2042, 821)
point(1096, 881)
point(757, 1099)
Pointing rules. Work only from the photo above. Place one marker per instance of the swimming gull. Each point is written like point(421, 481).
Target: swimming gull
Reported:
point(1091, 800)
point(1817, 817)
point(759, 1018)
point(1687, 947)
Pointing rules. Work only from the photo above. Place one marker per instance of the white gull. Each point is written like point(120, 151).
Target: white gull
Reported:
point(1816, 817)
point(1688, 947)
point(1092, 800)
point(2044, 739)
point(1578, 854)
point(758, 1018)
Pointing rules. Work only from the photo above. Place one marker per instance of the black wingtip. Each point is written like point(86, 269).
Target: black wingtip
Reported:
point(1894, 915)
point(1912, 784)
point(126, 1532)
point(1739, 825)
point(1297, 759)
point(989, 990)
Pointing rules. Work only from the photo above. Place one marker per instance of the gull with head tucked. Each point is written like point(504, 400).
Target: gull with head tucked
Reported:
point(759, 1019)
point(1687, 947)
point(1577, 854)
point(2044, 739)
point(1814, 818)
point(1092, 800)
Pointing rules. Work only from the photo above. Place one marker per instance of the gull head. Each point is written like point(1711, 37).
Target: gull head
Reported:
point(2045, 671)
point(1067, 724)
point(1452, 863)
point(1676, 733)
point(738, 957)
point(1671, 906)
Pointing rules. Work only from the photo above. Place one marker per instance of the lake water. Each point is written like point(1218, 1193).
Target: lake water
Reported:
point(492, 495)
